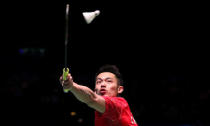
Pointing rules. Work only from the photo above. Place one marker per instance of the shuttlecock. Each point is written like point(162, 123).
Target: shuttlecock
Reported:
point(89, 16)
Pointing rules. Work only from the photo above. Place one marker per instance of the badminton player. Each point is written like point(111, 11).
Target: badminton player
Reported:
point(110, 108)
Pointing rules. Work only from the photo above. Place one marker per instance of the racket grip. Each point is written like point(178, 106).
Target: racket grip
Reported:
point(65, 73)
point(66, 90)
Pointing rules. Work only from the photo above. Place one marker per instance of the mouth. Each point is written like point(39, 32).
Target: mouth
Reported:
point(102, 91)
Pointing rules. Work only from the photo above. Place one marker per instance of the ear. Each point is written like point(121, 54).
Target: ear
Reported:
point(120, 89)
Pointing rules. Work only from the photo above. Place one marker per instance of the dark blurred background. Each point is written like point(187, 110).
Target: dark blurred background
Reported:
point(160, 47)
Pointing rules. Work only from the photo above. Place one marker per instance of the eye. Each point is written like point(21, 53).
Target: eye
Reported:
point(98, 82)
point(110, 81)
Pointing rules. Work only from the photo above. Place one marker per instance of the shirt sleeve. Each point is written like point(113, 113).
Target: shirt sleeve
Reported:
point(114, 107)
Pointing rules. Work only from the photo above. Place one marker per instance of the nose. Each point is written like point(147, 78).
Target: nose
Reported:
point(103, 84)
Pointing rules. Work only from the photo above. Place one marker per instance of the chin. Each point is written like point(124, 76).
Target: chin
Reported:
point(109, 95)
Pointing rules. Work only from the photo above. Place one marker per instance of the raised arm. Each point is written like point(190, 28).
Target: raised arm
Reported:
point(84, 94)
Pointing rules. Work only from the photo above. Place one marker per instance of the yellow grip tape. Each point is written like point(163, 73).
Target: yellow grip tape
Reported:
point(65, 73)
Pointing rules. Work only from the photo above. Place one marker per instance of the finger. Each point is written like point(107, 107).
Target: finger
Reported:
point(66, 83)
point(69, 77)
point(61, 81)
point(61, 78)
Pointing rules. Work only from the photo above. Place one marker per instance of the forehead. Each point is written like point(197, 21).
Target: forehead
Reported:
point(105, 75)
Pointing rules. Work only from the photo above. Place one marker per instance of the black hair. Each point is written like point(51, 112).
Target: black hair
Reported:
point(112, 69)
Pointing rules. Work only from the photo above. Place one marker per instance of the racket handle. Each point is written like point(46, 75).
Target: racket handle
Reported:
point(65, 73)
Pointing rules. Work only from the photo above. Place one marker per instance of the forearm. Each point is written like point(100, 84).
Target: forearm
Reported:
point(83, 93)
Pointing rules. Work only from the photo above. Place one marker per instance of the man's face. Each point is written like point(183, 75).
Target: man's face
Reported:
point(107, 84)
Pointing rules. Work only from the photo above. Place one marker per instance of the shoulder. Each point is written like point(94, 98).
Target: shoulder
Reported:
point(114, 106)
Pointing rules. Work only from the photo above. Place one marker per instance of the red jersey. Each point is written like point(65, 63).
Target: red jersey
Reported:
point(117, 113)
